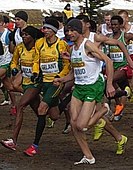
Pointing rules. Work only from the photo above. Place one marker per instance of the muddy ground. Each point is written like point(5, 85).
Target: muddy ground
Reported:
point(58, 151)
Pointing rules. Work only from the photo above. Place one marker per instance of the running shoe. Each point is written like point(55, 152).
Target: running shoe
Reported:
point(118, 109)
point(5, 102)
point(50, 123)
point(121, 145)
point(13, 111)
point(1, 84)
point(8, 143)
point(98, 129)
point(85, 160)
point(118, 118)
point(109, 114)
point(67, 129)
point(31, 151)
point(129, 92)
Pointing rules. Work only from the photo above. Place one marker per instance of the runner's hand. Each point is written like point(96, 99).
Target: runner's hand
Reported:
point(65, 55)
point(110, 90)
point(57, 81)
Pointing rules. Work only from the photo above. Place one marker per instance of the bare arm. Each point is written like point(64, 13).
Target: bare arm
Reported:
point(111, 41)
point(91, 48)
point(64, 79)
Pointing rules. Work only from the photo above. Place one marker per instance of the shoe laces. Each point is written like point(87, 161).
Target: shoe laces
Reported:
point(121, 145)
point(99, 128)
point(85, 160)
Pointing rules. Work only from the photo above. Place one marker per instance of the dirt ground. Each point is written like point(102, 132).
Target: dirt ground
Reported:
point(58, 151)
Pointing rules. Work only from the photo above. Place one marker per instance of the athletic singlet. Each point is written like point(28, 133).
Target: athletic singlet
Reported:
point(116, 55)
point(104, 30)
point(17, 37)
point(6, 57)
point(130, 45)
point(25, 59)
point(92, 37)
point(49, 59)
point(86, 68)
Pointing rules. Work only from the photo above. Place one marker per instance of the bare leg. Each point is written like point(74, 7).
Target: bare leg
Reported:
point(112, 130)
point(28, 96)
point(81, 114)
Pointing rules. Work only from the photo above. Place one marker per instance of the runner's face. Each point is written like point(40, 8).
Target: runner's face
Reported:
point(19, 22)
point(73, 35)
point(115, 26)
point(26, 38)
point(107, 20)
point(48, 32)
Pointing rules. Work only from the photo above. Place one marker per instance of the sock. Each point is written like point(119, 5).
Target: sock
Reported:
point(36, 146)
point(39, 128)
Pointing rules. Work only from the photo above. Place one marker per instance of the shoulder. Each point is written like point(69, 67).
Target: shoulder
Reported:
point(20, 45)
point(89, 46)
point(19, 48)
point(128, 35)
point(40, 41)
point(62, 43)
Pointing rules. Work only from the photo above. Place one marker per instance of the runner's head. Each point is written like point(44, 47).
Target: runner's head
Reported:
point(21, 18)
point(74, 29)
point(116, 23)
point(85, 22)
point(52, 24)
point(124, 15)
point(75, 25)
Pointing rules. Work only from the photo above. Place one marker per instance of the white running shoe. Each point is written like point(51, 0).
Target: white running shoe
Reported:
point(85, 160)
point(8, 143)
point(67, 129)
point(5, 102)
point(109, 114)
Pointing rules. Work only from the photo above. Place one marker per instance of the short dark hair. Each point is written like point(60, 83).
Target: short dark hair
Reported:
point(85, 18)
point(93, 27)
point(119, 18)
point(5, 19)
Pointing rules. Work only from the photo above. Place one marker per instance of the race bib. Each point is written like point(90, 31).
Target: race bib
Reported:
point(26, 71)
point(80, 74)
point(51, 67)
point(117, 56)
point(130, 49)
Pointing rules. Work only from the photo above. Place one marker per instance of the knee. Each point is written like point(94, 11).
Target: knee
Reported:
point(55, 117)
point(76, 125)
point(73, 124)
point(42, 109)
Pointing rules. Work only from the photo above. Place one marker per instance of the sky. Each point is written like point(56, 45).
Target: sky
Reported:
point(54, 5)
